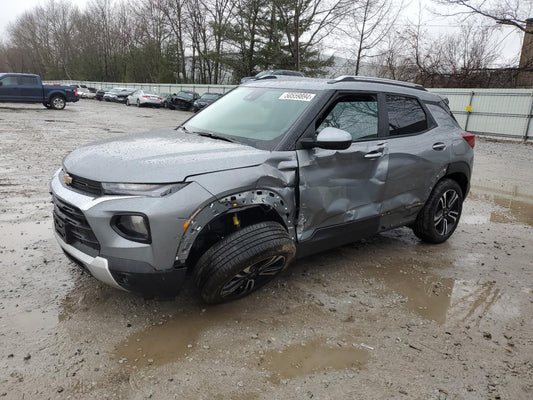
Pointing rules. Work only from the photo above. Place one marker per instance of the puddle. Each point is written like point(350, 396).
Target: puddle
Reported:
point(424, 293)
point(513, 207)
point(301, 360)
point(173, 339)
point(443, 299)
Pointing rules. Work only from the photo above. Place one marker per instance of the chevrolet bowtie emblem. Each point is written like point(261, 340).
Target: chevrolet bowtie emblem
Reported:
point(68, 179)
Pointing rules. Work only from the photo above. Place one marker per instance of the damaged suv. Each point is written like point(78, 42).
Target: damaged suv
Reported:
point(273, 170)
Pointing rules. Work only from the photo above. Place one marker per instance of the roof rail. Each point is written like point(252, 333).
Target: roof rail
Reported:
point(267, 77)
point(353, 78)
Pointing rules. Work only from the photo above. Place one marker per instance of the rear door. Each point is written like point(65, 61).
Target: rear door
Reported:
point(30, 89)
point(341, 190)
point(418, 158)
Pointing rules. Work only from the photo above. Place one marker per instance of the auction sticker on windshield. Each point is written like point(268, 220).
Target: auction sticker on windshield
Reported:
point(297, 96)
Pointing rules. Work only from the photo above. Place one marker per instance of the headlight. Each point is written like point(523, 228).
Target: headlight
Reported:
point(132, 226)
point(142, 189)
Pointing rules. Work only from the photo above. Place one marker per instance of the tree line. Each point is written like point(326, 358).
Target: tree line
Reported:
point(221, 41)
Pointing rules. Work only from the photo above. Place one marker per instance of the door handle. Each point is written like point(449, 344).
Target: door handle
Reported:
point(373, 155)
point(439, 146)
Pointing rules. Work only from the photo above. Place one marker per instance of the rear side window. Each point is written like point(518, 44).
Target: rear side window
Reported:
point(357, 115)
point(27, 81)
point(406, 116)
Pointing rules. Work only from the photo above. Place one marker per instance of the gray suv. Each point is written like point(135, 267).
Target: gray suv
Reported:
point(273, 170)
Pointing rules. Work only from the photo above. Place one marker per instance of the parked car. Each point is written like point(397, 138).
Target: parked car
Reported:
point(273, 73)
point(85, 92)
point(118, 95)
point(141, 98)
point(205, 100)
point(183, 100)
point(100, 94)
point(275, 169)
point(28, 88)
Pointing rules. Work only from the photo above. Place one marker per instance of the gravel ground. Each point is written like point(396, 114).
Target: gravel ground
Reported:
point(383, 318)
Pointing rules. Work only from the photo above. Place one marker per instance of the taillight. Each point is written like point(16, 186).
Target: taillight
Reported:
point(470, 138)
point(159, 98)
point(146, 97)
point(75, 92)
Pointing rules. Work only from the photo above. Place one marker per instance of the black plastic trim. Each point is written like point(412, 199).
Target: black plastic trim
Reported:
point(114, 226)
point(141, 277)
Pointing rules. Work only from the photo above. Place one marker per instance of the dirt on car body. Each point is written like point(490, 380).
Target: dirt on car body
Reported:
point(386, 317)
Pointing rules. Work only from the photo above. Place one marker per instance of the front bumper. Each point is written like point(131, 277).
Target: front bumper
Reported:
point(84, 232)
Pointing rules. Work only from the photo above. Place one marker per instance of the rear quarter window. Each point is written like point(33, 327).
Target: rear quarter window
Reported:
point(406, 116)
point(443, 118)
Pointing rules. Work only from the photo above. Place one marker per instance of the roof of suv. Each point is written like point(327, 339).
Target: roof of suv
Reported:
point(358, 83)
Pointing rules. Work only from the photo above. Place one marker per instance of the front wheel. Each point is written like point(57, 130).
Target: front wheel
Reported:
point(138, 103)
point(243, 262)
point(57, 102)
point(439, 217)
point(47, 105)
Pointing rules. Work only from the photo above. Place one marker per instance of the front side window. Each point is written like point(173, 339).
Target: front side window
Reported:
point(406, 116)
point(255, 116)
point(9, 81)
point(357, 115)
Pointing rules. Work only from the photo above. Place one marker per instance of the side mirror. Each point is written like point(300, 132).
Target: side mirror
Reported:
point(330, 138)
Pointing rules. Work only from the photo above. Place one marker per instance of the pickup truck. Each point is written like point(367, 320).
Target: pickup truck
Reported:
point(28, 88)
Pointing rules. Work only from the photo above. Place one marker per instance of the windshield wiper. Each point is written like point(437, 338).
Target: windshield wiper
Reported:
point(208, 134)
point(215, 136)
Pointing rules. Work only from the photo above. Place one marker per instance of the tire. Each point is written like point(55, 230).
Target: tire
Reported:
point(243, 262)
point(57, 102)
point(47, 105)
point(128, 102)
point(138, 103)
point(439, 217)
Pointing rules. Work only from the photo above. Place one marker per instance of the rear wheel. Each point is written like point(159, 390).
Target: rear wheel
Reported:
point(243, 262)
point(439, 217)
point(128, 102)
point(138, 103)
point(57, 102)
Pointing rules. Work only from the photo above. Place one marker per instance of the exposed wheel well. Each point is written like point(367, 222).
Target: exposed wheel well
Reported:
point(461, 179)
point(226, 223)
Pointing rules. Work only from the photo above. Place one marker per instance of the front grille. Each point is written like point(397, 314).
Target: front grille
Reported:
point(85, 186)
point(72, 226)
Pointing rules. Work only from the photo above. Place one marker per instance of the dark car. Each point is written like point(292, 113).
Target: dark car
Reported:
point(122, 95)
point(100, 93)
point(275, 169)
point(273, 73)
point(28, 88)
point(183, 100)
point(205, 100)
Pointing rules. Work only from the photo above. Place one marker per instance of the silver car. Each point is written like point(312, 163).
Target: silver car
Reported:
point(274, 170)
point(142, 98)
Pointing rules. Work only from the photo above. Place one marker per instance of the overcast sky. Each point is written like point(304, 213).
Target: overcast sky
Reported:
point(510, 38)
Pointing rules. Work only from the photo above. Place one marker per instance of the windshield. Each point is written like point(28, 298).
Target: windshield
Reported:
point(263, 73)
point(255, 116)
point(210, 96)
point(185, 95)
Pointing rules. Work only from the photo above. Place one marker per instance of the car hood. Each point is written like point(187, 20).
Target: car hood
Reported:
point(160, 156)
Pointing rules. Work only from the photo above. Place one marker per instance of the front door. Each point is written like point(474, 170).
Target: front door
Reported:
point(8, 88)
point(341, 190)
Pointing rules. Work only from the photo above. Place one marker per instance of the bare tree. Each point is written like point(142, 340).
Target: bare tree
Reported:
point(369, 23)
point(313, 20)
point(507, 12)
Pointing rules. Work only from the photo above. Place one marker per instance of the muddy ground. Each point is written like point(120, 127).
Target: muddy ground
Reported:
point(383, 318)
